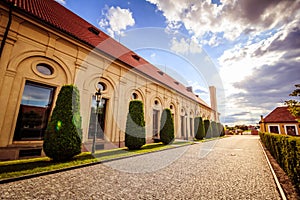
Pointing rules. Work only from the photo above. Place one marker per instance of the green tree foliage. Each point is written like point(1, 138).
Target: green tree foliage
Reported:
point(62, 139)
point(199, 128)
point(207, 128)
point(166, 127)
point(135, 134)
point(294, 105)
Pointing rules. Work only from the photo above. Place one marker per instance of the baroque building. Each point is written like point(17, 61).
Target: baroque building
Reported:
point(45, 46)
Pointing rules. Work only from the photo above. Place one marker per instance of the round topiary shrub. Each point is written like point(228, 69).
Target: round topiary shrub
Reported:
point(135, 134)
point(199, 128)
point(166, 127)
point(62, 139)
point(207, 128)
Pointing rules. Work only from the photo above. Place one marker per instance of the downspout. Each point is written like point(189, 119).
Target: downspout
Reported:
point(6, 30)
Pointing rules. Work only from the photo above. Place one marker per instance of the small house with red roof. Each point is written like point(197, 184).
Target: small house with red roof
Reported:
point(281, 121)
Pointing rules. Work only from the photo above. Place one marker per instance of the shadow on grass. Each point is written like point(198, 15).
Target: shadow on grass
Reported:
point(127, 151)
point(21, 166)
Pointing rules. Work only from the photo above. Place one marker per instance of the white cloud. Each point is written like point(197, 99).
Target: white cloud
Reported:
point(116, 20)
point(232, 18)
point(261, 32)
point(185, 46)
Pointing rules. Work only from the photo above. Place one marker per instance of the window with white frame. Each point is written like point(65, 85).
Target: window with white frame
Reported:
point(274, 128)
point(291, 129)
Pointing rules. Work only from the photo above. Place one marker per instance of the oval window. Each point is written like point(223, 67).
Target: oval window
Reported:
point(44, 69)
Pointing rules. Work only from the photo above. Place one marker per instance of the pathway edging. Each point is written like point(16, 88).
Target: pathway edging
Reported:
point(282, 194)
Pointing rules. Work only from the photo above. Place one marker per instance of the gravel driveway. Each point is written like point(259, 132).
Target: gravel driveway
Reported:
point(229, 168)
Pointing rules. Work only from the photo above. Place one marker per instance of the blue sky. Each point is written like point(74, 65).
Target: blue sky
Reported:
point(250, 49)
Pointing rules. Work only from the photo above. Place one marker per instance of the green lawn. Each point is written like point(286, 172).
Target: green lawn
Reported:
point(17, 168)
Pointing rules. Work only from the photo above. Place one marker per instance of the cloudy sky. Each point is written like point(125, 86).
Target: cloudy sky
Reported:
point(249, 49)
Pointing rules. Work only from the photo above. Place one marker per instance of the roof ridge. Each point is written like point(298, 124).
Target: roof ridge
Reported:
point(63, 19)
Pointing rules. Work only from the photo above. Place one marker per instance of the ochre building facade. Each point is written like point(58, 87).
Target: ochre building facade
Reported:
point(45, 46)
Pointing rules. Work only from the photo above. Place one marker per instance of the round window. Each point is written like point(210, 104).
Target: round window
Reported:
point(44, 69)
point(171, 107)
point(101, 86)
point(156, 102)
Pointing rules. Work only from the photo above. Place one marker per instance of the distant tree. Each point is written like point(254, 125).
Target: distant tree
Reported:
point(294, 105)
point(135, 134)
point(166, 127)
point(62, 139)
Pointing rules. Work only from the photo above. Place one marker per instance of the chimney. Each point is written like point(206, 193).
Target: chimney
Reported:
point(261, 118)
point(189, 89)
point(213, 98)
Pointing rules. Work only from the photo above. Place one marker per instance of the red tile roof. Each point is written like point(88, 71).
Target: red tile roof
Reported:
point(57, 16)
point(280, 114)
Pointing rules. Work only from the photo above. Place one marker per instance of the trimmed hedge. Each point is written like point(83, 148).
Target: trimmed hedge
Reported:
point(62, 139)
point(286, 150)
point(199, 128)
point(166, 127)
point(135, 134)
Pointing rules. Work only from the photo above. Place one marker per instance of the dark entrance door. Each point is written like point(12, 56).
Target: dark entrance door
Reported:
point(182, 126)
point(100, 119)
point(155, 124)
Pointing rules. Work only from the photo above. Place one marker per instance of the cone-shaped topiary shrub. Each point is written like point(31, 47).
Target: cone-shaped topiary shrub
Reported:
point(214, 129)
point(220, 128)
point(135, 134)
point(166, 127)
point(207, 128)
point(62, 139)
point(199, 128)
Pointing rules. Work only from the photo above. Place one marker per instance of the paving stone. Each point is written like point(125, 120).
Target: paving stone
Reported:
point(201, 171)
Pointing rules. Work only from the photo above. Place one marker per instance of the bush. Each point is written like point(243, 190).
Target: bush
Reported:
point(62, 139)
point(286, 150)
point(166, 127)
point(199, 128)
point(207, 128)
point(135, 134)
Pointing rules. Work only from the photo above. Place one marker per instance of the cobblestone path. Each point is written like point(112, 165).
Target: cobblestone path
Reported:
point(229, 168)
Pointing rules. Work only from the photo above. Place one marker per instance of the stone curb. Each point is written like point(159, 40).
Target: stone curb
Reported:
point(282, 194)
